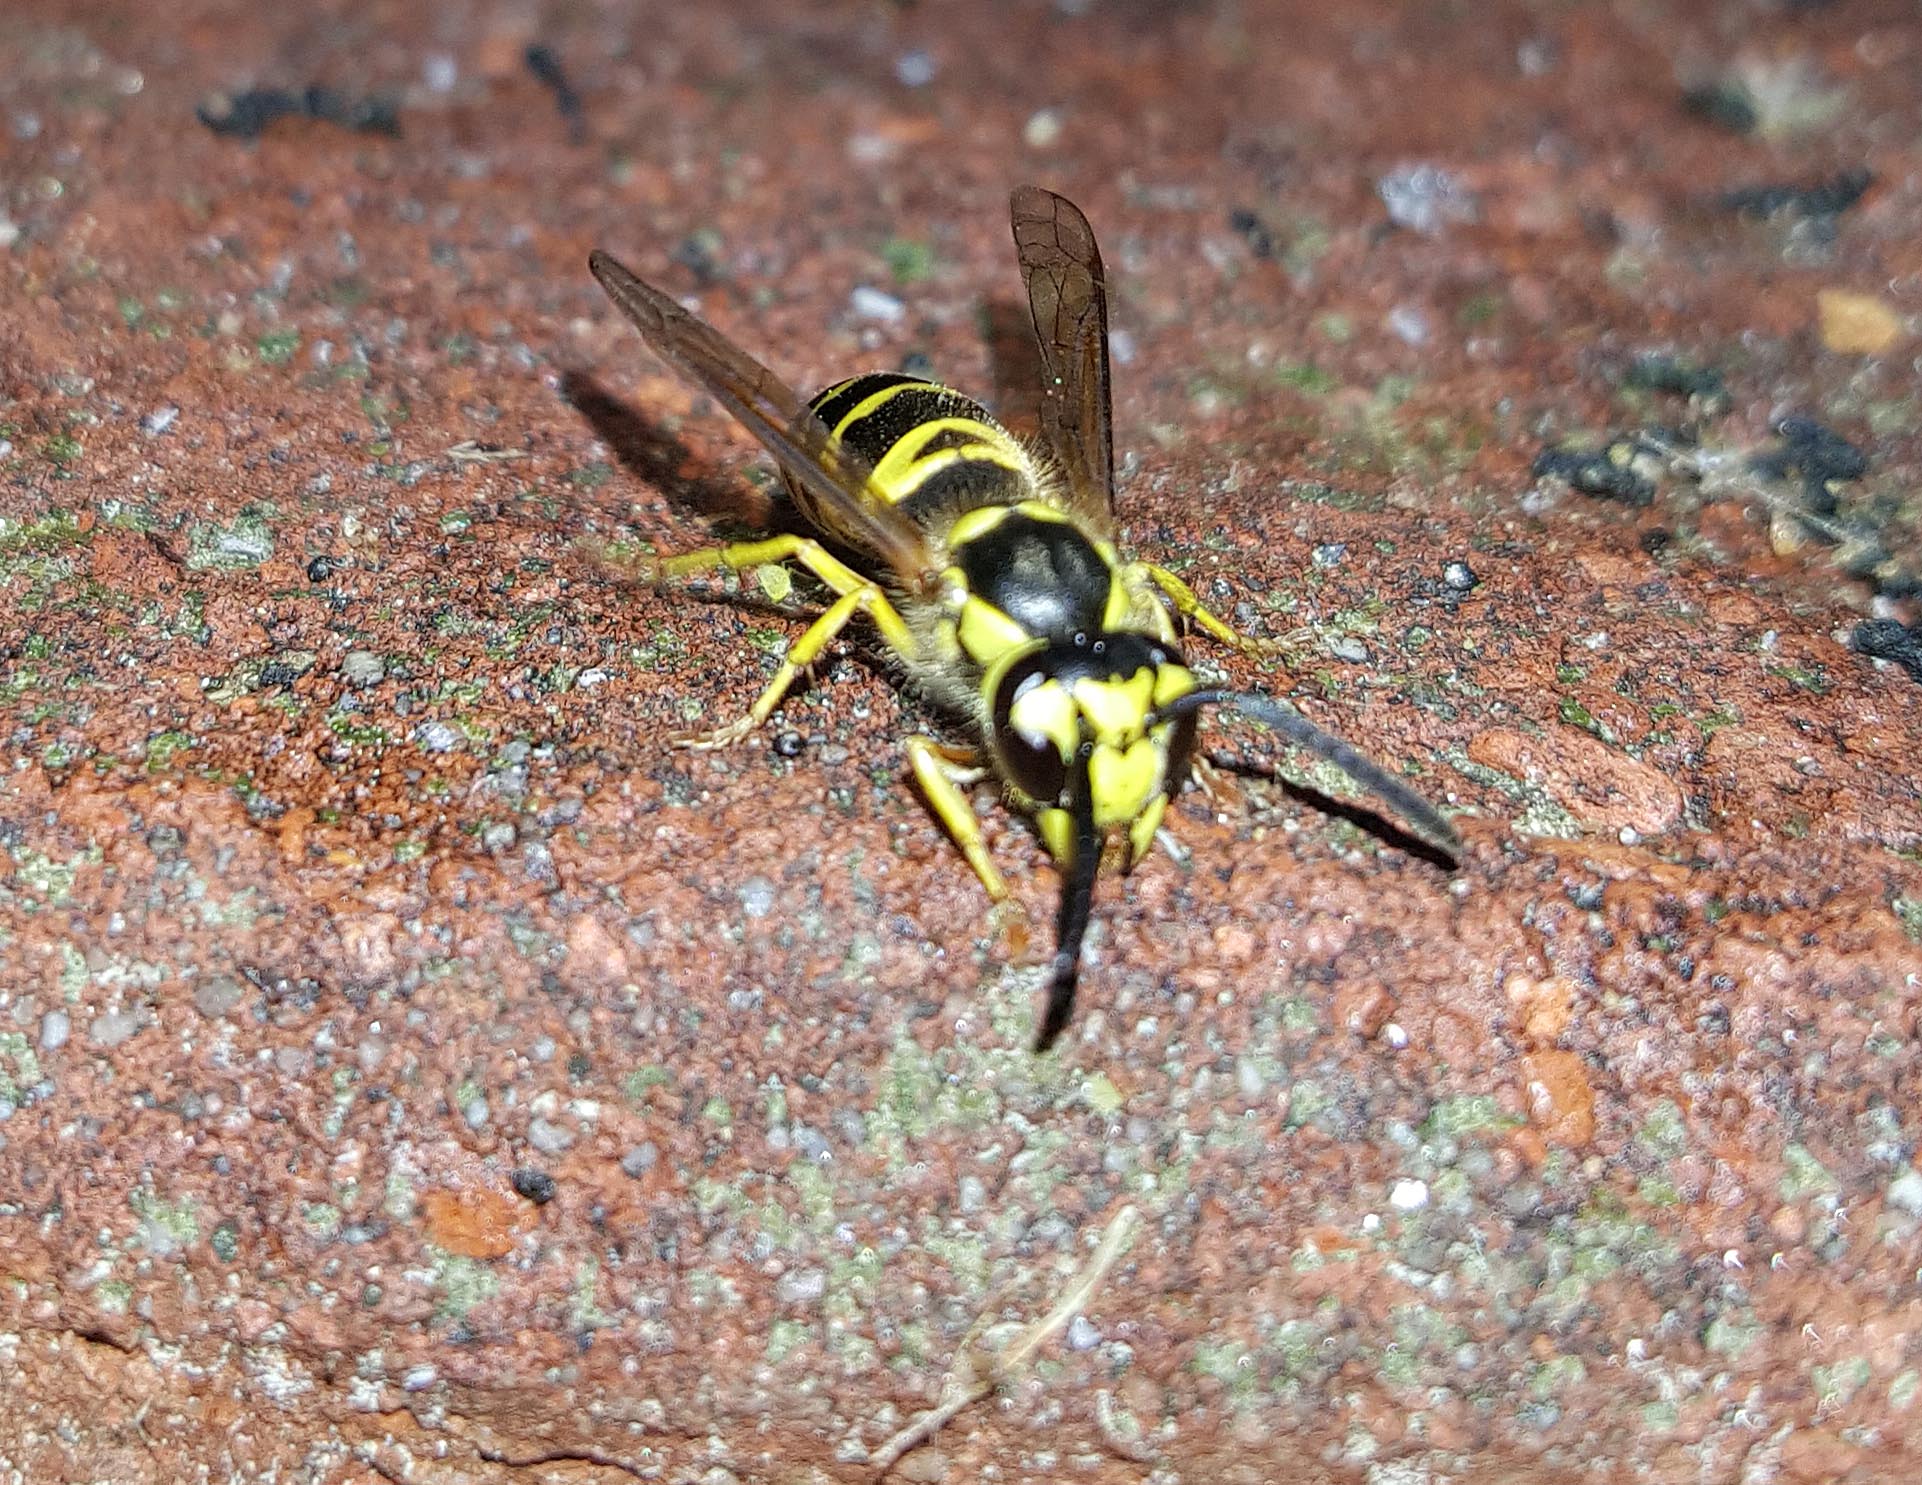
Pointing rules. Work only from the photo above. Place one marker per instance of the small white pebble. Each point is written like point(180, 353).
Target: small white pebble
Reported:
point(1409, 325)
point(914, 69)
point(1408, 1195)
point(871, 303)
point(1042, 129)
point(55, 1028)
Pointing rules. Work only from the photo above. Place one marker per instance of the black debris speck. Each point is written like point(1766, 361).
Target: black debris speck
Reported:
point(1886, 639)
point(1725, 103)
point(1610, 472)
point(1813, 456)
point(247, 115)
point(535, 1185)
point(1247, 226)
point(320, 569)
point(546, 65)
point(1826, 198)
point(1657, 371)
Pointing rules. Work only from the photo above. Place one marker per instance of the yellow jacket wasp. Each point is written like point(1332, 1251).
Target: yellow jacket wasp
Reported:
point(991, 571)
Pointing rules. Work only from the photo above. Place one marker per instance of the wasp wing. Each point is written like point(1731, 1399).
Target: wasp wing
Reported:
point(832, 481)
point(1068, 297)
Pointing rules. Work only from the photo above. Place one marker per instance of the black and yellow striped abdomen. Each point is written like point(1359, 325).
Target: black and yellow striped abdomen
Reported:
point(934, 451)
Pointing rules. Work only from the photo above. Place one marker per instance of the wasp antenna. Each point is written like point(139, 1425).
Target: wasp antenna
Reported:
point(1077, 904)
point(1417, 813)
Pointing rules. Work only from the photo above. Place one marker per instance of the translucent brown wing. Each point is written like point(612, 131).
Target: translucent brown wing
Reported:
point(1068, 297)
point(833, 481)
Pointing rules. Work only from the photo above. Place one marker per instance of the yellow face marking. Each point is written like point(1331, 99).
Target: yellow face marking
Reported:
point(986, 633)
point(1141, 833)
point(1116, 709)
point(976, 523)
point(1172, 681)
point(1044, 713)
point(1123, 780)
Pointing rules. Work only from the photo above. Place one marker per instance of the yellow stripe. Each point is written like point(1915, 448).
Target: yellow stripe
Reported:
point(904, 468)
point(873, 401)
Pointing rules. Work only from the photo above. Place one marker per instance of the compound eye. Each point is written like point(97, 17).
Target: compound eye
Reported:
point(1034, 718)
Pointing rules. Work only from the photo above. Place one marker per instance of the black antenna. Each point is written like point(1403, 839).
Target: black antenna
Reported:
point(1427, 822)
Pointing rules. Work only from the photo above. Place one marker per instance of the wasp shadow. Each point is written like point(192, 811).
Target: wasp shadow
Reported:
point(1383, 828)
point(731, 508)
point(650, 450)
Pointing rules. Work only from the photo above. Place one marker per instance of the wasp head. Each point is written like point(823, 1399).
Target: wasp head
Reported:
point(1079, 730)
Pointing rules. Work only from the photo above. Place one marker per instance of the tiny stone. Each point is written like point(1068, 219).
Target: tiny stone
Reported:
point(803, 1286)
point(1409, 325)
point(55, 1028)
point(974, 1193)
point(363, 668)
point(1408, 1196)
point(113, 1028)
point(914, 69)
point(1042, 129)
point(1082, 1336)
point(1347, 647)
point(158, 421)
point(214, 998)
point(1460, 576)
point(1905, 1193)
point(536, 1186)
point(1330, 554)
point(320, 569)
point(548, 1137)
point(474, 1111)
point(871, 303)
point(418, 1378)
point(638, 1161)
point(757, 897)
point(437, 737)
point(1426, 198)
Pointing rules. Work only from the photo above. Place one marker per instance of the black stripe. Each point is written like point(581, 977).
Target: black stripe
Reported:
point(903, 412)
point(831, 404)
point(967, 484)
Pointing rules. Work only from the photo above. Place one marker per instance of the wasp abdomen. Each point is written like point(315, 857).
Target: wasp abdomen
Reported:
point(934, 452)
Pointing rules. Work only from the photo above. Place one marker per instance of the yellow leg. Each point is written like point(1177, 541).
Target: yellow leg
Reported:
point(807, 649)
point(1190, 607)
point(817, 560)
point(942, 774)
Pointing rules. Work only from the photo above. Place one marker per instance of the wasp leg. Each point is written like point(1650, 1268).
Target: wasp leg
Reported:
point(942, 773)
point(1185, 603)
point(807, 649)
point(857, 595)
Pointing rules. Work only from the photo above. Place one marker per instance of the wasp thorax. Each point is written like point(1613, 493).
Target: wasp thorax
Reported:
point(1095, 699)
